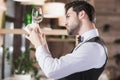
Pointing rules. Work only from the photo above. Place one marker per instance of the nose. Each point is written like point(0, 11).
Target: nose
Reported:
point(66, 23)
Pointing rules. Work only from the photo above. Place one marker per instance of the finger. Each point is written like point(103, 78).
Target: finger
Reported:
point(30, 29)
point(27, 36)
point(39, 29)
point(43, 35)
point(36, 29)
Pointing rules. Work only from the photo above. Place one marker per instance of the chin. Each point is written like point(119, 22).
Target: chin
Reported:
point(70, 33)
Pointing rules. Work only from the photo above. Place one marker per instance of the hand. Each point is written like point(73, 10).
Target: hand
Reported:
point(29, 27)
point(35, 36)
point(45, 42)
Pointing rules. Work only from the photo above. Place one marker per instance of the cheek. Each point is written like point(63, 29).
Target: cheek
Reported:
point(70, 21)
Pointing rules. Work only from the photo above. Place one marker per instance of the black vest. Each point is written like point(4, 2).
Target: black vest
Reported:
point(92, 74)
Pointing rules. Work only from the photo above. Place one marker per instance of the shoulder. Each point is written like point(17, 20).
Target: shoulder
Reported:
point(92, 52)
point(90, 46)
point(91, 49)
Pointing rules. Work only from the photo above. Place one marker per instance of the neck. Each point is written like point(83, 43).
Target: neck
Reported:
point(86, 27)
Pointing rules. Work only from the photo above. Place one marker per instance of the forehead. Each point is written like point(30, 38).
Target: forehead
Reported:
point(70, 11)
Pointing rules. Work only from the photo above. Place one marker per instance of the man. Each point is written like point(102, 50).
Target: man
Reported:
point(87, 60)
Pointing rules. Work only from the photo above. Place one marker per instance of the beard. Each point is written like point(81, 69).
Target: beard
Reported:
point(74, 29)
point(73, 32)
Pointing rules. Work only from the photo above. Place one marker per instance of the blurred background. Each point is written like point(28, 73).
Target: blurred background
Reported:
point(16, 14)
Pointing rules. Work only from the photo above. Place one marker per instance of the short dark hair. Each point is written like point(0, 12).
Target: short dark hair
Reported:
point(78, 6)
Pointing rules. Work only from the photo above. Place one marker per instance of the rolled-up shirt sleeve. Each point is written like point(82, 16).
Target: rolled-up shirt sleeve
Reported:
point(83, 58)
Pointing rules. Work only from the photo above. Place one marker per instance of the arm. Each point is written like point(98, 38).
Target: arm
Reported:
point(36, 36)
point(80, 60)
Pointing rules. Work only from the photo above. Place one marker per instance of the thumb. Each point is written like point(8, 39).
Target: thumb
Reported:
point(27, 36)
point(43, 35)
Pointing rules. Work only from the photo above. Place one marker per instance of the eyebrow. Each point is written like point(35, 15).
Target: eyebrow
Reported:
point(67, 13)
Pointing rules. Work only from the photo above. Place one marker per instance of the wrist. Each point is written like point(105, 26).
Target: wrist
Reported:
point(37, 45)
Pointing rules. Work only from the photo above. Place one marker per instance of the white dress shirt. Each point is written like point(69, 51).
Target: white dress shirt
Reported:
point(89, 55)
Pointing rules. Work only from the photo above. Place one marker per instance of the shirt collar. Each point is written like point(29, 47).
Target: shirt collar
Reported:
point(89, 34)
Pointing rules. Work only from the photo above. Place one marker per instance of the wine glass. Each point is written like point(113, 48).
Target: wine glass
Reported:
point(37, 15)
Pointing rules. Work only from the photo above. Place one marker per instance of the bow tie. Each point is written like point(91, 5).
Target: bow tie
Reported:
point(80, 39)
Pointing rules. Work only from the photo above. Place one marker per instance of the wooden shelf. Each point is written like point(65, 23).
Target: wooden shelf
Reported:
point(21, 31)
point(60, 40)
point(47, 32)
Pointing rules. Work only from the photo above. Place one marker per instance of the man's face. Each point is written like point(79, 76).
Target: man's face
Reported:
point(72, 22)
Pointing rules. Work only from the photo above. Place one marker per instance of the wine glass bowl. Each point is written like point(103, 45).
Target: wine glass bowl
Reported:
point(37, 15)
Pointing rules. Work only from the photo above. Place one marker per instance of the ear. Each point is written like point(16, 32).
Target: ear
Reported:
point(81, 14)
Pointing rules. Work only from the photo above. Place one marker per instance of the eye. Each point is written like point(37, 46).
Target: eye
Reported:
point(67, 16)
